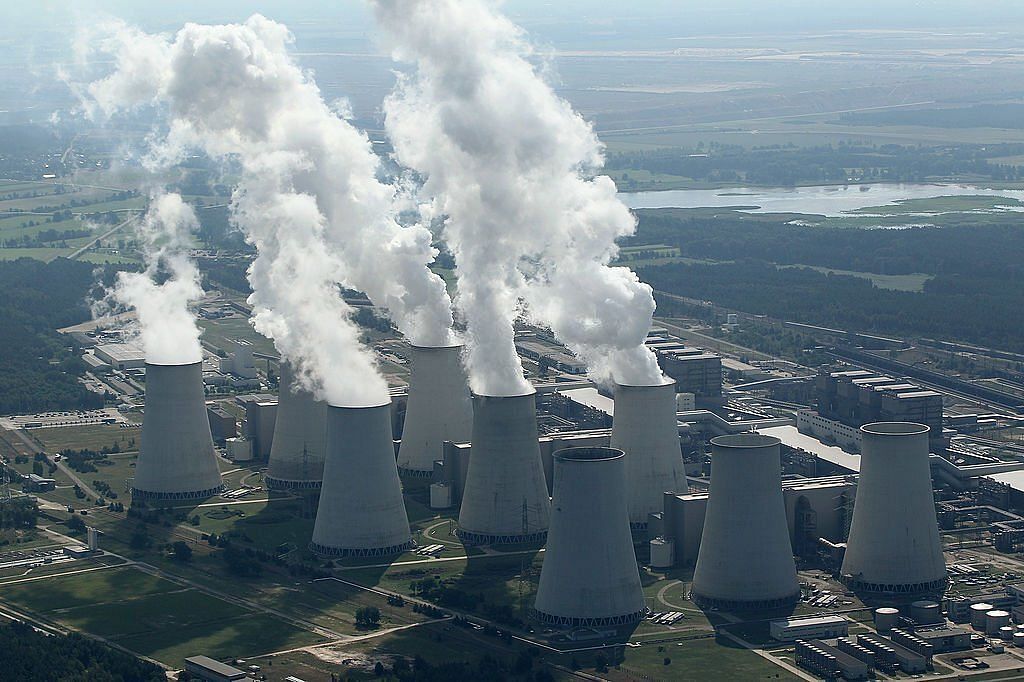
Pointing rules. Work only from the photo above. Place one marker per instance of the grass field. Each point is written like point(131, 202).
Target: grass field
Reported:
point(91, 436)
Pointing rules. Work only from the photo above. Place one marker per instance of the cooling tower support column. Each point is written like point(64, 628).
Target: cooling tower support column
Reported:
point(646, 429)
point(745, 559)
point(176, 457)
point(505, 499)
point(590, 576)
point(438, 408)
point(894, 549)
point(300, 435)
point(361, 511)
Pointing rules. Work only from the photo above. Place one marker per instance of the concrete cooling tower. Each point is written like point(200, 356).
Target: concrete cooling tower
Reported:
point(894, 550)
point(745, 560)
point(645, 428)
point(439, 408)
point(300, 438)
point(361, 510)
point(505, 499)
point(176, 457)
point(590, 576)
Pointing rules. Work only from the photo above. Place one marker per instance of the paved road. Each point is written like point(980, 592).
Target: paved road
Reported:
point(36, 447)
point(78, 252)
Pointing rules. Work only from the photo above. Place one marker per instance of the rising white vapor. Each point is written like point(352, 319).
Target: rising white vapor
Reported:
point(510, 164)
point(309, 198)
point(161, 293)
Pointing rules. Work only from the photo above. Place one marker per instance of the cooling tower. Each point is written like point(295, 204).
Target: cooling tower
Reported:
point(361, 511)
point(645, 428)
point(894, 548)
point(176, 457)
point(590, 577)
point(745, 559)
point(300, 434)
point(505, 499)
point(438, 409)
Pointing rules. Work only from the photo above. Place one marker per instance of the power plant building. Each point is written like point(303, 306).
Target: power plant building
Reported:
point(260, 420)
point(694, 371)
point(223, 424)
point(299, 439)
point(590, 576)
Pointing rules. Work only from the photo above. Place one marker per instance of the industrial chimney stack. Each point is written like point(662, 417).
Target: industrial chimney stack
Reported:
point(300, 435)
point(176, 457)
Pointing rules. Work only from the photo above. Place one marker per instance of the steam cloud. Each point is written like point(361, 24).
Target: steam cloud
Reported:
point(506, 160)
point(161, 293)
point(309, 199)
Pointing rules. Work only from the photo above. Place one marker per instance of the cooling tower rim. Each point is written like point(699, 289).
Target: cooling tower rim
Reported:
point(440, 346)
point(745, 441)
point(375, 406)
point(666, 381)
point(487, 396)
point(894, 429)
point(585, 454)
point(173, 364)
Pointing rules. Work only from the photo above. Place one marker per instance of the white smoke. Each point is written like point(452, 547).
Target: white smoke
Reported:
point(162, 292)
point(508, 162)
point(309, 198)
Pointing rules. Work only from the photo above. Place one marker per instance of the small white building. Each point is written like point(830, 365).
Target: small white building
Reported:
point(809, 627)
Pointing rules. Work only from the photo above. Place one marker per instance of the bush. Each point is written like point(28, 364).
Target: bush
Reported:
point(367, 617)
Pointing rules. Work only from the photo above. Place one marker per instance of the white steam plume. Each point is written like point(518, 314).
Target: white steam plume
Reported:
point(160, 294)
point(507, 161)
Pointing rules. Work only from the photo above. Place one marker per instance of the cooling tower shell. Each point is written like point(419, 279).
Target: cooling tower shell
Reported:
point(590, 576)
point(894, 549)
point(505, 498)
point(745, 559)
point(361, 511)
point(646, 429)
point(300, 438)
point(176, 456)
point(438, 409)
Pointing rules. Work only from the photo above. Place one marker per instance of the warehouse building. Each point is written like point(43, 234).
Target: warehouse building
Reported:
point(211, 670)
point(808, 627)
point(121, 355)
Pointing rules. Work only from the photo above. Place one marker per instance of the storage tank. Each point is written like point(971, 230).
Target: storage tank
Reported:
point(300, 438)
point(925, 612)
point(995, 620)
point(438, 408)
point(644, 426)
point(1006, 633)
point(745, 559)
point(663, 552)
point(176, 456)
point(590, 576)
point(361, 511)
point(1018, 638)
point(505, 499)
point(894, 550)
point(886, 618)
point(978, 612)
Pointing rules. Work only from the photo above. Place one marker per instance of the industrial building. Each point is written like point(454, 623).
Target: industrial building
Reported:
point(212, 670)
point(808, 627)
point(894, 549)
point(298, 442)
point(693, 369)
point(260, 420)
point(223, 424)
point(829, 662)
point(121, 355)
point(176, 456)
point(361, 510)
point(590, 576)
point(745, 559)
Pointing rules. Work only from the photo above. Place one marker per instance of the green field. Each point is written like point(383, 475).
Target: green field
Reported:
point(90, 436)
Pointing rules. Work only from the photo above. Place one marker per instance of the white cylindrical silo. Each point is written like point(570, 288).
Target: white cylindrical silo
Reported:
point(894, 550)
point(361, 511)
point(176, 457)
point(996, 620)
point(300, 438)
point(590, 576)
point(978, 613)
point(438, 409)
point(745, 560)
point(505, 499)
point(645, 427)
point(886, 618)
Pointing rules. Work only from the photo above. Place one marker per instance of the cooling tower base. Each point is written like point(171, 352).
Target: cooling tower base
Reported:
point(324, 551)
point(470, 538)
point(175, 496)
point(415, 473)
point(752, 605)
point(567, 621)
point(896, 591)
point(283, 484)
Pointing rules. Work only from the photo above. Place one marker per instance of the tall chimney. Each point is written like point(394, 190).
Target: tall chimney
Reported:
point(176, 457)
point(438, 409)
point(361, 510)
point(300, 438)
point(894, 550)
point(590, 576)
point(505, 499)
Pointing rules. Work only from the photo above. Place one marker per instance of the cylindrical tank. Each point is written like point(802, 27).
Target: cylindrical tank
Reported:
point(1006, 633)
point(506, 496)
point(300, 438)
point(1018, 638)
point(438, 408)
point(978, 612)
point(894, 550)
point(645, 427)
point(745, 560)
point(176, 456)
point(886, 618)
point(925, 612)
point(590, 576)
point(996, 619)
point(361, 511)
